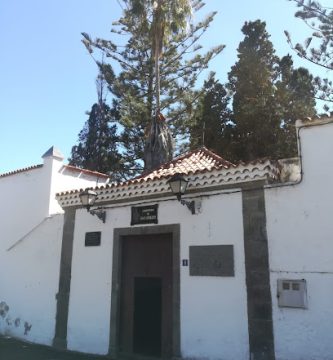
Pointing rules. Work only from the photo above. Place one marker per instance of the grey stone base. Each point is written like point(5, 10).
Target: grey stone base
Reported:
point(60, 344)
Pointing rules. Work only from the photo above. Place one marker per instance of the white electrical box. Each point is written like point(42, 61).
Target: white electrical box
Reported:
point(292, 293)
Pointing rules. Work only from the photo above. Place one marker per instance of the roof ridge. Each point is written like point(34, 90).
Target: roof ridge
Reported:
point(183, 156)
point(216, 156)
point(13, 172)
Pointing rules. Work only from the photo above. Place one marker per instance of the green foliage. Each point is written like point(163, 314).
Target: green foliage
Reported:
point(268, 96)
point(318, 47)
point(295, 95)
point(131, 73)
point(251, 81)
point(211, 125)
point(97, 144)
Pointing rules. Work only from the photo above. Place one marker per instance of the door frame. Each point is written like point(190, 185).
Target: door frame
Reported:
point(118, 235)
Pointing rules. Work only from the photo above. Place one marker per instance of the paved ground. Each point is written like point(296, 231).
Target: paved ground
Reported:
point(11, 349)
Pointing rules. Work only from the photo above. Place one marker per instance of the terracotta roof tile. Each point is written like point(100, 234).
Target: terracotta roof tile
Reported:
point(200, 160)
point(202, 165)
point(190, 163)
point(203, 179)
point(21, 170)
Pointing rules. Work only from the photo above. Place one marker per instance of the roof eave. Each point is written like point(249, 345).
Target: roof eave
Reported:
point(220, 180)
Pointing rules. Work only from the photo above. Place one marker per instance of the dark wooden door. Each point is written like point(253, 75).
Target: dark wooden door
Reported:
point(146, 295)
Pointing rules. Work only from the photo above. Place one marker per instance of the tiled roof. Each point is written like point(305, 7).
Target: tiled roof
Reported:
point(68, 167)
point(21, 170)
point(203, 169)
point(190, 163)
point(85, 171)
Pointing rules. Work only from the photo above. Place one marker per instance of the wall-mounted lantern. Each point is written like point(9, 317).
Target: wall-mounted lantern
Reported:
point(88, 198)
point(178, 187)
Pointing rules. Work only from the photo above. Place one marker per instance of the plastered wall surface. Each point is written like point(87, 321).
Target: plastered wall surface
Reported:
point(25, 204)
point(29, 282)
point(30, 247)
point(64, 179)
point(213, 309)
point(29, 197)
point(300, 228)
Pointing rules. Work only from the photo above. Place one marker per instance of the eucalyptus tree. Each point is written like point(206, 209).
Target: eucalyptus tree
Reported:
point(153, 71)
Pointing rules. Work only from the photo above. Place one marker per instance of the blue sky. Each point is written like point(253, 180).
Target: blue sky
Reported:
point(48, 79)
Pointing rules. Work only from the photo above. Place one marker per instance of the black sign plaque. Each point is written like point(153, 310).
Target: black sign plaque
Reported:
point(144, 215)
point(93, 238)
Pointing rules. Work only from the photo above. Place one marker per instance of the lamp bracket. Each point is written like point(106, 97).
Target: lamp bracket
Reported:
point(99, 212)
point(190, 205)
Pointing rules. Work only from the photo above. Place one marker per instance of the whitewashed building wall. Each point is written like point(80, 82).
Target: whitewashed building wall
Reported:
point(214, 320)
point(29, 282)
point(213, 309)
point(300, 235)
point(30, 245)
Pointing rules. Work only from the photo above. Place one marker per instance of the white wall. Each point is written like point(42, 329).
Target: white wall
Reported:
point(28, 197)
point(30, 247)
point(300, 228)
point(65, 179)
point(25, 204)
point(213, 309)
point(29, 282)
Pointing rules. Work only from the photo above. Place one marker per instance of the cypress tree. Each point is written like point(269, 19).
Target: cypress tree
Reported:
point(295, 92)
point(251, 80)
point(268, 96)
point(97, 148)
point(211, 125)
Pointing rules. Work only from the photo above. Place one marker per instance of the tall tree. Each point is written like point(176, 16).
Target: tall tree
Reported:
point(269, 95)
point(318, 47)
point(97, 142)
point(251, 80)
point(211, 125)
point(157, 71)
point(295, 93)
point(168, 17)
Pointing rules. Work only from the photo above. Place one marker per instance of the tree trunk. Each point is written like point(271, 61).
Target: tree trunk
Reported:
point(158, 148)
point(157, 71)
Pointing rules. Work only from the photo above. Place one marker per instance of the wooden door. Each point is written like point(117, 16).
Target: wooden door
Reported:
point(146, 295)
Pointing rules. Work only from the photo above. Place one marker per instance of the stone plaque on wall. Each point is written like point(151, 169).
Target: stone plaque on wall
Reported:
point(212, 260)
